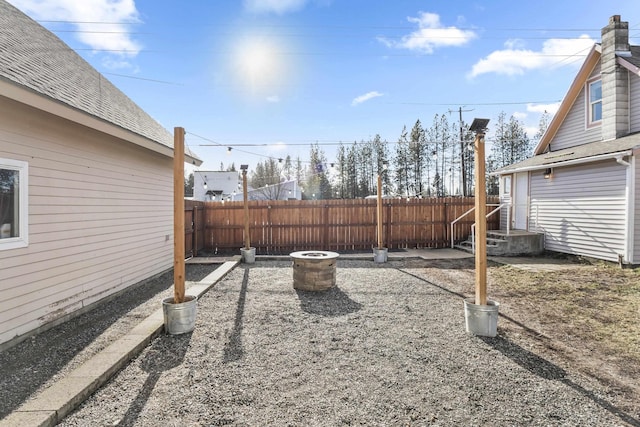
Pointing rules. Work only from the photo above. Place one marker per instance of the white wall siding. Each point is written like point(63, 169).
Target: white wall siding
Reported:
point(572, 131)
point(634, 110)
point(582, 209)
point(505, 216)
point(100, 218)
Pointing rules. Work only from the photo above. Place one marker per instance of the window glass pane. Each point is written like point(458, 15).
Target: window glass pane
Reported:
point(595, 91)
point(9, 203)
point(596, 111)
point(507, 185)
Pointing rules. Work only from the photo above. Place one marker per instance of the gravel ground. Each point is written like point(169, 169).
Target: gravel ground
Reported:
point(38, 362)
point(387, 346)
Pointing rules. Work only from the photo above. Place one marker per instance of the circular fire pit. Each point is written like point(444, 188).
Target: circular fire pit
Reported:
point(314, 270)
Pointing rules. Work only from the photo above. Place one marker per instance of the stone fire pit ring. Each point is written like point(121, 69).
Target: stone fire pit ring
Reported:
point(314, 270)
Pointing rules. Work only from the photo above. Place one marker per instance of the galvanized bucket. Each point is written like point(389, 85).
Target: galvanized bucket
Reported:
point(179, 318)
point(380, 255)
point(481, 320)
point(248, 255)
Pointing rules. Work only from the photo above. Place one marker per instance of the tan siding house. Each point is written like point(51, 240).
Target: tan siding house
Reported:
point(98, 176)
point(583, 181)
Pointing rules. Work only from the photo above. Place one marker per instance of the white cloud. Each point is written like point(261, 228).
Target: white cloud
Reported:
point(83, 15)
point(273, 99)
point(276, 6)
point(520, 115)
point(430, 35)
point(541, 108)
point(516, 60)
point(367, 96)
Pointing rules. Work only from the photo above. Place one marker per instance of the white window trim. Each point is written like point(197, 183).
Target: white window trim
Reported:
point(23, 199)
point(506, 185)
point(590, 122)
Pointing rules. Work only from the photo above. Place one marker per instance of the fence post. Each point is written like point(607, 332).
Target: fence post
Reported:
point(194, 231)
point(446, 222)
point(388, 225)
point(325, 234)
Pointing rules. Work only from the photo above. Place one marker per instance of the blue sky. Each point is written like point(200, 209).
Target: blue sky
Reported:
point(270, 77)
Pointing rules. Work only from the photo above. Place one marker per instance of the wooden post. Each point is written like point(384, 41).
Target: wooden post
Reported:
point(481, 221)
point(379, 211)
point(195, 231)
point(247, 239)
point(178, 215)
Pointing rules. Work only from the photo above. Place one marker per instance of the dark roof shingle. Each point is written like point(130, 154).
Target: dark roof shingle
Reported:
point(35, 58)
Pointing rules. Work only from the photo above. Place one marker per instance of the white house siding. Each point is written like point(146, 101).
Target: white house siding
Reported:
point(634, 108)
point(505, 199)
point(100, 218)
point(572, 131)
point(581, 209)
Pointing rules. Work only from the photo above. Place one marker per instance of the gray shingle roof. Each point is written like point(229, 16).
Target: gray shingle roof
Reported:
point(556, 158)
point(635, 56)
point(35, 58)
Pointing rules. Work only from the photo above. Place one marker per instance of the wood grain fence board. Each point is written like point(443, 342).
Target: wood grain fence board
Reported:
point(285, 226)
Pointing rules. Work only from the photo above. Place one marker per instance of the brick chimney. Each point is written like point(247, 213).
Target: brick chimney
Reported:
point(615, 79)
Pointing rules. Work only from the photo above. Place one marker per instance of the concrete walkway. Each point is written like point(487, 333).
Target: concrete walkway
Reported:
point(54, 403)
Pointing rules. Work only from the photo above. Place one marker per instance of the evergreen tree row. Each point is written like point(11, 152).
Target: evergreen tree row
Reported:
point(434, 161)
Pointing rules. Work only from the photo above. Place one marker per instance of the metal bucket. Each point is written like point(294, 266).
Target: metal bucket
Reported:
point(248, 255)
point(481, 319)
point(179, 318)
point(380, 255)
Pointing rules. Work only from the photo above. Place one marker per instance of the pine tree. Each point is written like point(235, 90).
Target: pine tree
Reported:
point(418, 158)
point(402, 164)
point(317, 181)
point(188, 186)
point(511, 145)
point(266, 179)
point(543, 124)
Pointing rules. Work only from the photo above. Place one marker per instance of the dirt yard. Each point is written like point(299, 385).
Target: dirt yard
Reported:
point(587, 315)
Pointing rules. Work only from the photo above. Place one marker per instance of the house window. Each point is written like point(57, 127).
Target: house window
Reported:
point(506, 185)
point(595, 102)
point(13, 204)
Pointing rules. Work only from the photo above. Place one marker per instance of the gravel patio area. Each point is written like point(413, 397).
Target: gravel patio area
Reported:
point(385, 347)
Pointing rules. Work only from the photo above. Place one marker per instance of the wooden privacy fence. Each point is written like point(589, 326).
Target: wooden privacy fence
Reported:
point(283, 226)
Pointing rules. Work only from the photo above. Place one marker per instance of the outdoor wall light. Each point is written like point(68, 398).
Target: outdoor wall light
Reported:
point(229, 150)
point(548, 173)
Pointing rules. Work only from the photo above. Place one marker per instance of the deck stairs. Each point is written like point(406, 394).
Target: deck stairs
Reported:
point(511, 243)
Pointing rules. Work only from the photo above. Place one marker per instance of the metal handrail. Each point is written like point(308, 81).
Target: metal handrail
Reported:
point(458, 219)
point(473, 226)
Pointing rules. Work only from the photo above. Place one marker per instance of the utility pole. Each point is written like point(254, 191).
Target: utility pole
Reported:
point(463, 174)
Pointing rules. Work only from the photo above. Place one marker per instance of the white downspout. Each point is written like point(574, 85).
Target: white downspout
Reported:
point(630, 204)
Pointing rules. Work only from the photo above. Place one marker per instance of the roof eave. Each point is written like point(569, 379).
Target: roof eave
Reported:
point(36, 100)
point(572, 162)
point(628, 65)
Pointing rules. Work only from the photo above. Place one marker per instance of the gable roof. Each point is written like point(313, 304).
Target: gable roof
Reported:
point(569, 99)
point(631, 63)
point(586, 153)
point(37, 60)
